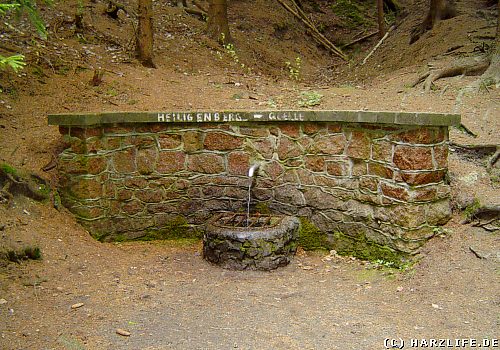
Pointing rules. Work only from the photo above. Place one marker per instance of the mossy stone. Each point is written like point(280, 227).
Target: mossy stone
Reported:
point(311, 237)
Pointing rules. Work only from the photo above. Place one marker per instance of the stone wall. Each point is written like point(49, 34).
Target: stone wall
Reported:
point(384, 184)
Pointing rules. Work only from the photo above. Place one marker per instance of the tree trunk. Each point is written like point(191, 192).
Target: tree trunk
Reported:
point(492, 74)
point(438, 10)
point(218, 26)
point(144, 44)
point(380, 17)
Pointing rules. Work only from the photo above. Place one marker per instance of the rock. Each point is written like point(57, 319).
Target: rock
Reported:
point(77, 305)
point(3, 301)
point(123, 332)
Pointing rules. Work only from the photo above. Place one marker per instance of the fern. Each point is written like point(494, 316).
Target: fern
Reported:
point(16, 62)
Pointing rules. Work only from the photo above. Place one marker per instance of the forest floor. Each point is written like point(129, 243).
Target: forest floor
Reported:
point(164, 293)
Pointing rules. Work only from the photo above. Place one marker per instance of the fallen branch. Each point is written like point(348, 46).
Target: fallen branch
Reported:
point(364, 37)
point(299, 14)
point(378, 44)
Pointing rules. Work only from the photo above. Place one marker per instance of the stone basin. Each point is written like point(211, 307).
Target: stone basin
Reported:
point(264, 242)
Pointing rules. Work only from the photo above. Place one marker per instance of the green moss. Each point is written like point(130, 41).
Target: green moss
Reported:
point(262, 208)
point(8, 169)
point(177, 229)
point(99, 236)
point(364, 249)
point(351, 11)
point(471, 209)
point(311, 237)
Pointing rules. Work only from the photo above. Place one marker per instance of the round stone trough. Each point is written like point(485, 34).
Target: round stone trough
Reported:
point(263, 242)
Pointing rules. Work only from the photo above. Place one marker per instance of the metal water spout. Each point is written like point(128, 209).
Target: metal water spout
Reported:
point(253, 169)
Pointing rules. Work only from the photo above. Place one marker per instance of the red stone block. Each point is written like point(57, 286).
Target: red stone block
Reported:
point(315, 163)
point(395, 192)
point(218, 141)
point(169, 141)
point(441, 156)
point(413, 158)
point(264, 147)
point(124, 161)
point(290, 129)
point(287, 149)
point(359, 145)
point(424, 135)
point(369, 183)
point(274, 170)
point(206, 163)
point(337, 168)
point(170, 162)
point(334, 128)
point(423, 178)
point(330, 144)
point(238, 163)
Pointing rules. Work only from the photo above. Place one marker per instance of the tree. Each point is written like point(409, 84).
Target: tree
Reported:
point(144, 40)
point(438, 10)
point(217, 25)
point(492, 74)
point(487, 65)
point(380, 17)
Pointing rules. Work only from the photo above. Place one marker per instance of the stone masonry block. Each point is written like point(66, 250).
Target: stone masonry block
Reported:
point(396, 192)
point(218, 141)
point(290, 129)
point(146, 160)
point(86, 188)
point(382, 151)
point(337, 168)
point(380, 170)
point(423, 178)
point(426, 135)
point(413, 158)
point(264, 147)
point(170, 162)
point(330, 144)
point(124, 161)
point(238, 163)
point(440, 156)
point(168, 141)
point(287, 149)
point(359, 145)
point(207, 163)
point(192, 141)
point(315, 163)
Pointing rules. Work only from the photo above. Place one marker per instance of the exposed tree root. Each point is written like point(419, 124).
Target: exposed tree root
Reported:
point(13, 183)
point(478, 152)
point(195, 9)
point(471, 66)
point(487, 217)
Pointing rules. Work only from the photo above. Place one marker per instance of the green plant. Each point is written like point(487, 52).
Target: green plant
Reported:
point(309, 99)
point(27, 253)
point(16, 62)
point(294, 69)
point(351, 11)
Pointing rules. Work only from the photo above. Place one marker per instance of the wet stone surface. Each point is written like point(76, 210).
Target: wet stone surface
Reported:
point(266, 244)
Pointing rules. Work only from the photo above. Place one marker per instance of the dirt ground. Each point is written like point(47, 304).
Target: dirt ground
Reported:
point(163, 293)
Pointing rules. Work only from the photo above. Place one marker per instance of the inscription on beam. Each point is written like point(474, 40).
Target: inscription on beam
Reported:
point(210, 117)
